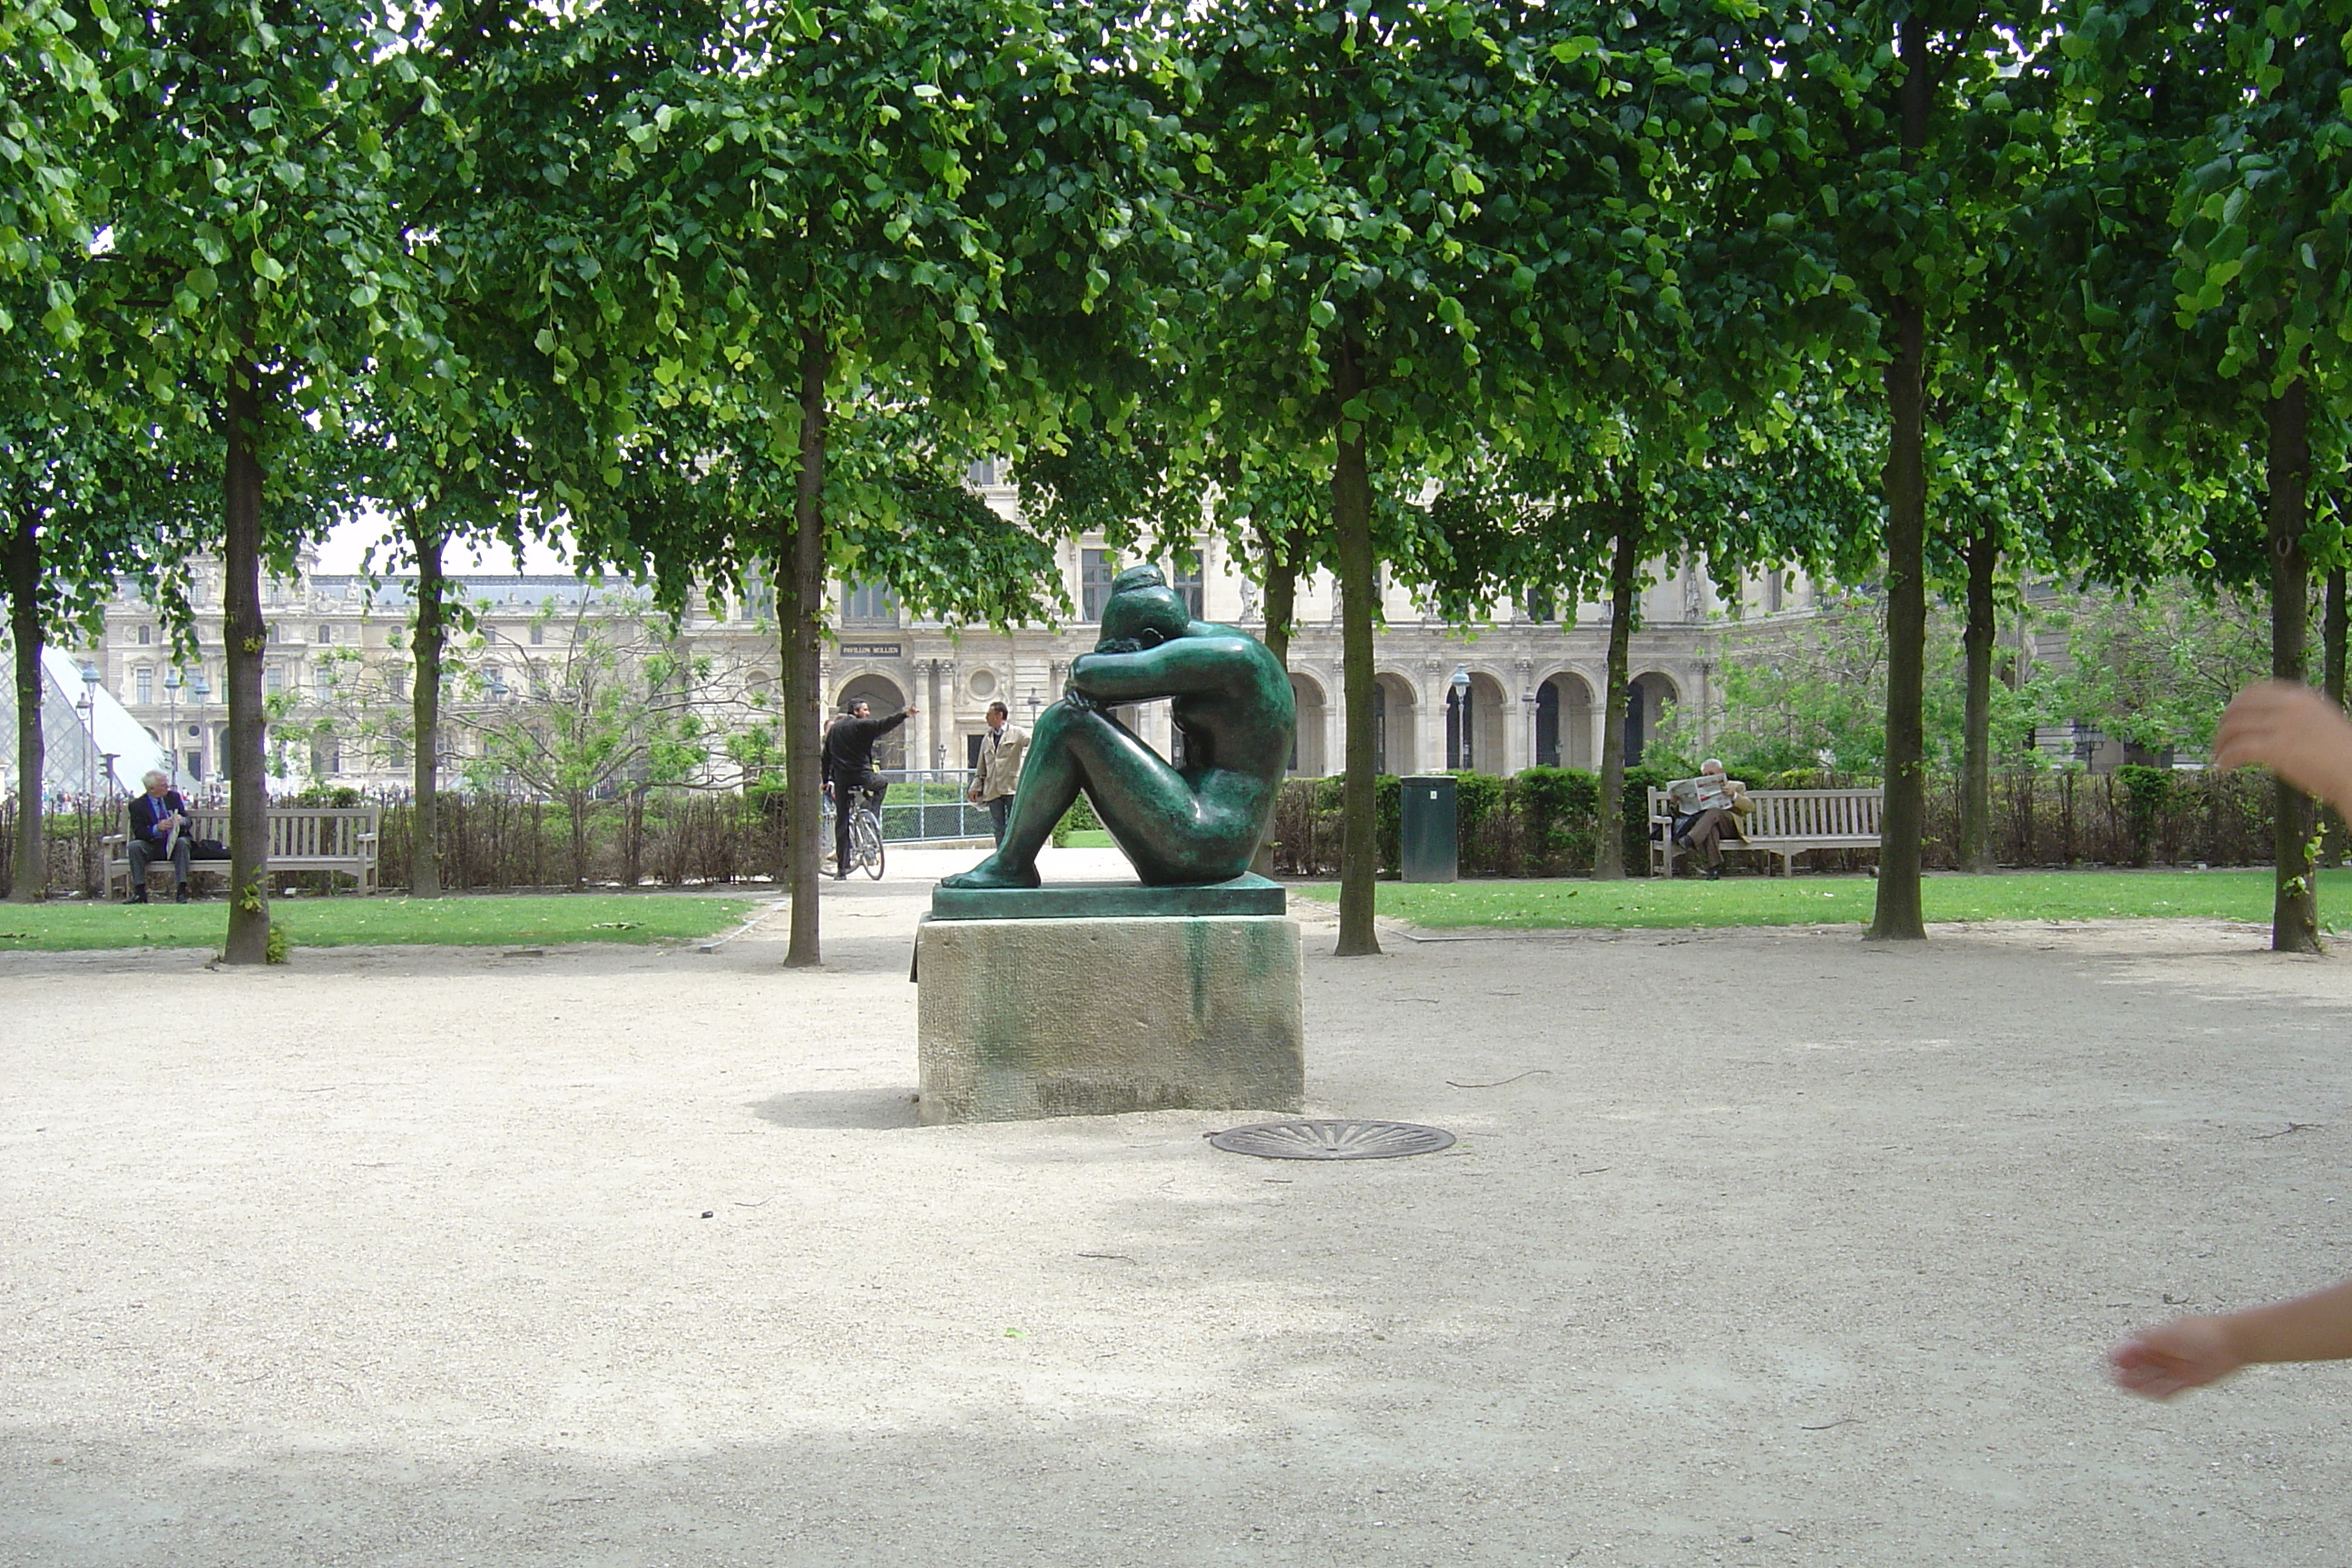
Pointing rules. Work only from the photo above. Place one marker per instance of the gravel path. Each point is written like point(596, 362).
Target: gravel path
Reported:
point(1773, 1248)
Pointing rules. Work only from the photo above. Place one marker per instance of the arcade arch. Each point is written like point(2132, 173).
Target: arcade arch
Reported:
point(1646, 702)
point(1312, 724)
point(1392, 725)
point(886, 697)
point(1475, 721)
point(1564, 732)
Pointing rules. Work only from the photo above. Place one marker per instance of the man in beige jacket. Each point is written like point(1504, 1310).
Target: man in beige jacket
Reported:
point(1001, 750)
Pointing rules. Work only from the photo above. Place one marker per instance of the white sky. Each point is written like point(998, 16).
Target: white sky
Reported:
point(344, 549)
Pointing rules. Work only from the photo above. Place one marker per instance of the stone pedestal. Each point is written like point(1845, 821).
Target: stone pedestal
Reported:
point(1093, 1016)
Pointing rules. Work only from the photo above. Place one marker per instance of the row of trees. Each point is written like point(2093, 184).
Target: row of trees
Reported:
point(2151, 670)
point(1492, 298)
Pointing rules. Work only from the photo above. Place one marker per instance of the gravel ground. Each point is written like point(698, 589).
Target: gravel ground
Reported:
point(1757, 1248)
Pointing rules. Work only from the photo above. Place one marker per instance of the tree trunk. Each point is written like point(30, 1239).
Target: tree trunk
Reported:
point(1351, 523)
point(2331, 639)
point(2332, 628)
point(2294, 907)
point(576, 806)
point(632, 837)
point(1281, 589)
point(246, 637)
point(799, 619)
point(425, 703)
point(1897, 916)
point(1976, 753)
point(1281, 551)
point(31, 883)
point(1617, 691)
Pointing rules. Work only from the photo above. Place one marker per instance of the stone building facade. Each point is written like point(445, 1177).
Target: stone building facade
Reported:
point(1514, 691)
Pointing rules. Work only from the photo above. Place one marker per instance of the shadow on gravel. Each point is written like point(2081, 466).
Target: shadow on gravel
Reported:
point(829, 1108)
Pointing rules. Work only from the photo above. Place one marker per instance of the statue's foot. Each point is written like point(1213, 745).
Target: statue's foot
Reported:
point(993, 873)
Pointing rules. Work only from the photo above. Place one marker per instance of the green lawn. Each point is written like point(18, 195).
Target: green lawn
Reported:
point(479, 920)
point(1739, 901)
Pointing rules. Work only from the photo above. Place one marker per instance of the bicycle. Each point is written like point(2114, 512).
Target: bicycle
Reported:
point(864, 840)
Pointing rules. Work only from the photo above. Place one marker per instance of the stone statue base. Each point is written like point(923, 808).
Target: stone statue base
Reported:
point(1093, 1016)
point(1247, 894)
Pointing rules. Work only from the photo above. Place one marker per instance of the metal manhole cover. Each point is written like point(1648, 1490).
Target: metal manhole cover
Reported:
point(1332, 1140)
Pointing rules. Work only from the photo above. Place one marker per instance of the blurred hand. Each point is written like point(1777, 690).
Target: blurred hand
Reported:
point(2172, 1358)
point(2292, 730)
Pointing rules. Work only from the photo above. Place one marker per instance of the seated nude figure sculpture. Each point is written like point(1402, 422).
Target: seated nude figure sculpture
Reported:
point(1181, 826)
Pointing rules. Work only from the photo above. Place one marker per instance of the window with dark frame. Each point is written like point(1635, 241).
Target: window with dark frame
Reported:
point(1186, 580)
point(869, 604)
point(1095, 570)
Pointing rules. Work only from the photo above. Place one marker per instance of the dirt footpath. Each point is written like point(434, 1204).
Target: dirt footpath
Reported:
point(1757, 1248)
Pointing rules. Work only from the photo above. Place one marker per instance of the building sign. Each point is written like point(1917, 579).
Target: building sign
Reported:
point(869, 650)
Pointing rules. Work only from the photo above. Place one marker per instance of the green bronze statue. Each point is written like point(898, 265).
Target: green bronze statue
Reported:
point(1181, 826)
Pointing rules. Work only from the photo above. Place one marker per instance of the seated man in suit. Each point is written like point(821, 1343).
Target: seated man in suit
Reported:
point(159, 831)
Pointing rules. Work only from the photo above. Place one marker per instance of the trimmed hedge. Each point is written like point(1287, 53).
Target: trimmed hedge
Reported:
point(1541, 822)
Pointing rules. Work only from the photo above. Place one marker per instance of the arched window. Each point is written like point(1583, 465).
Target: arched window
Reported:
point(1645, 705)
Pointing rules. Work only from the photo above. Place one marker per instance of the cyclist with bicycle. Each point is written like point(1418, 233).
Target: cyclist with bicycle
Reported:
point(849, 775)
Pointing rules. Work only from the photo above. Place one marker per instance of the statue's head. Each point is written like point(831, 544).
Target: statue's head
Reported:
point(1142, 612)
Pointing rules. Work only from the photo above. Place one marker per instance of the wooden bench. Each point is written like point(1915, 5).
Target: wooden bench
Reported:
point(341, 840)
point(1786, 822)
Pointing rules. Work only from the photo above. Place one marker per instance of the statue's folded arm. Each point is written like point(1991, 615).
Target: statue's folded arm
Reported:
point(1175, 669)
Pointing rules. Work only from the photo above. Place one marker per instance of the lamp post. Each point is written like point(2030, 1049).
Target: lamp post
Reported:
point(88, 706)
point(86, 819)
point(172, 723)
point(1461, 684)
point(200, 692)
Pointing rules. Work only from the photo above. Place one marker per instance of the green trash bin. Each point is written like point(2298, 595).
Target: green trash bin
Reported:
point(1432, 843)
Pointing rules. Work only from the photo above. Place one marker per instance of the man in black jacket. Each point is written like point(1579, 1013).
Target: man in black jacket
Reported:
point(849, 770)
point(159, 831)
